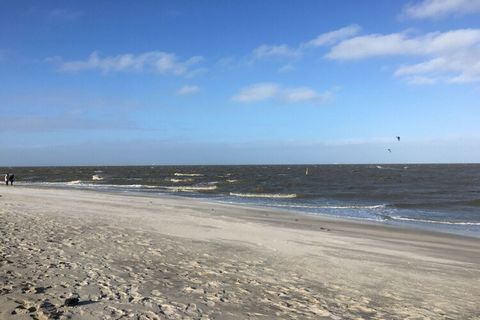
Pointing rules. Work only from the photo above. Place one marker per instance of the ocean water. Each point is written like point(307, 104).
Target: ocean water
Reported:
point(439, 197)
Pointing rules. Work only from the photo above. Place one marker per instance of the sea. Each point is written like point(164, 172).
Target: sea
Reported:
point(439, 197)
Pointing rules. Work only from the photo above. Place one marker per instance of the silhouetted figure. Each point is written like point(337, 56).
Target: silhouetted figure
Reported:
point(398, 138)
point(7, 178)
point(11, 178)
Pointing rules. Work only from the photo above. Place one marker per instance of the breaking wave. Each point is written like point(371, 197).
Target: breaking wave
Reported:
point(88, 185)
point(179, 180)
point(380, 206)
point(435, 221)
point(74, 182)
point(437, 205)
point(264, 195)
point(191, 188)
point(180, 174)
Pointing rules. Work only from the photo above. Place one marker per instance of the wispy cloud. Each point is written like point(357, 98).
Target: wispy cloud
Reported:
point(453, 54)
point(332, 37)
point(287, 54)
point(284, 51)
point(65, 14)
point(404, 44)
point(270, 51)
point(73, 103)
point(63, 122)
point(461, 67)
point(257, 92)
point(302, 94)
point(188, 90)
point(153, 61)
point(440, 8)
point(286, 68)
point(272, 91)
point(422, 80)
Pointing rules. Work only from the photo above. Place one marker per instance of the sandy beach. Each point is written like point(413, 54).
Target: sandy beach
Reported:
point(69, 254)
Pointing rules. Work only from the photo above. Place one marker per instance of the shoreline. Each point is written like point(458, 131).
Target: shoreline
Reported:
point(416, 226)
point(172, 257)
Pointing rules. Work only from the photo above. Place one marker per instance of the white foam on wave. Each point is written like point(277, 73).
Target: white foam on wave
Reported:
point(264, 195)
point(179, 180)
point(96, 177)
point(231, 180)
point(83, 184)
point(134, 186)
point(180, 174)
point(74, 182)
point(191, 188)
point(390, 168)
point(436, 222)
point(380, 206)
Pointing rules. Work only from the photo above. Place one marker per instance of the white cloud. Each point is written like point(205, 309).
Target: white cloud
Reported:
point(156, 61)
point(461, 67)
point(440, 8)
point(266, 51)
point(333, 37)
point(269, 51)
point(421, 80)
point(257, 92)
point(192, 73)
point(403, 44)
point(296, 95)
point(188, 90)
point(429, 66)
point(272, 91)
point(282, 52)
point(453, 56)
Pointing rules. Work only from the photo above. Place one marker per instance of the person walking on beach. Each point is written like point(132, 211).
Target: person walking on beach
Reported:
point(11, 178)
point(7, 178)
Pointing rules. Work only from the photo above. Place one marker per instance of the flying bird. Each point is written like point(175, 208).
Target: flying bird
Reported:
point(389, 150)
point(398, 138)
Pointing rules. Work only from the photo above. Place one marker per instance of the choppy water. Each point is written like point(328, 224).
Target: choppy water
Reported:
point(441, 197)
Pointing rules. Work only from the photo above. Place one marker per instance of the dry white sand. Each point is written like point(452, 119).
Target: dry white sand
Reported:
point(84, 255)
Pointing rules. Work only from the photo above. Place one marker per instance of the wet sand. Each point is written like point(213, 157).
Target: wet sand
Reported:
point(71, 254)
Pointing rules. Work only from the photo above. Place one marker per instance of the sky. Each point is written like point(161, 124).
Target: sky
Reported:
point(239, 82)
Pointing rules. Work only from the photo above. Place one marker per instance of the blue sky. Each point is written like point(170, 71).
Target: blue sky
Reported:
point(238, 82)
